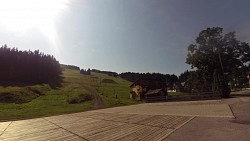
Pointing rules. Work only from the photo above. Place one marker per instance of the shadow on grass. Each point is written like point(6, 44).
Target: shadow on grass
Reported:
point(54, 83)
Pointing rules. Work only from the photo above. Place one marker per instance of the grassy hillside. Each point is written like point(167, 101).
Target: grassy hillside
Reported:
point(77, 93)
point(113, 90)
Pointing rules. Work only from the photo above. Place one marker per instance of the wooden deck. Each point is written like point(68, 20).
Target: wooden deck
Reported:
point(93, 126)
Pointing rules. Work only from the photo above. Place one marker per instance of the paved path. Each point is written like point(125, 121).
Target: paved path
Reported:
point(206, 108)
point(151, 121)
point(218, 129)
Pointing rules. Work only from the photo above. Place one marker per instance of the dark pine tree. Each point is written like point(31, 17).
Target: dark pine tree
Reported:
point(27, 66)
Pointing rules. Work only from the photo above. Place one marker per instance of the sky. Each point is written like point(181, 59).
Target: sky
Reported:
point(119, 35)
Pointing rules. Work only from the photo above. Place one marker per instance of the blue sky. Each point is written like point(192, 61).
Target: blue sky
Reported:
point(125, 35)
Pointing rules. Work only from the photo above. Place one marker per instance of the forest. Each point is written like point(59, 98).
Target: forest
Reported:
point(27, 66)
point(171, 80)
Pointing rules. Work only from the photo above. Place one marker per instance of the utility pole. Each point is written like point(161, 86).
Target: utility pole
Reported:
point(221, 66)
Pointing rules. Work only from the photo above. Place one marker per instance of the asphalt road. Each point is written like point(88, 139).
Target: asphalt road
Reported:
point(218, 129)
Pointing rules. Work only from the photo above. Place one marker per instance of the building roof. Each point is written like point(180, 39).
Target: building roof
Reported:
point(147, 79)
point(138, 81)
point(155, 91)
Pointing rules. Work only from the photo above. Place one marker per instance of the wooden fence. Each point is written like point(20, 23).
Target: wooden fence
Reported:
point(187, 97)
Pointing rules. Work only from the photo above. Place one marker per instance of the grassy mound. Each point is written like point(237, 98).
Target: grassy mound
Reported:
point(79, 96)
point(21, 94)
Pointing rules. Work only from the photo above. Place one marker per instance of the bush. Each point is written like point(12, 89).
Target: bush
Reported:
point(79, 98)
point(17, 95)
point(21, 94)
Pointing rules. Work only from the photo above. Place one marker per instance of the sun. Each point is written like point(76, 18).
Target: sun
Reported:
point(23, 15)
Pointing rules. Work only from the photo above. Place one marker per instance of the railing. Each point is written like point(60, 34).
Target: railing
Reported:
point(156, 98)
point(196, 96)
point(203, 95)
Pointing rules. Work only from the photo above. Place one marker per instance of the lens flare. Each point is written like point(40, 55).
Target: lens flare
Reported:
point(23, 15)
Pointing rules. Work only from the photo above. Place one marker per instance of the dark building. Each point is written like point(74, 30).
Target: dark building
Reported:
point(147, 84)
point(156, 94)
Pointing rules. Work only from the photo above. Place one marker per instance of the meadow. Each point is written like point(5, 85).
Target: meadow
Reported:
point(76, 93)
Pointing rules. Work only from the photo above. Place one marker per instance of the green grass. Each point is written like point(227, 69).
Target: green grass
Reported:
point(111, 81)
point(22, 94)
point(42, 100)
point(113, 94)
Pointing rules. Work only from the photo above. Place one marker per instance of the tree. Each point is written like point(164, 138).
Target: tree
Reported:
point(189, 81)
point(218, 58)
point(27, 66)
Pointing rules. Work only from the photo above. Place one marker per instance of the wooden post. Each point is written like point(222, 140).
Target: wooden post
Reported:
point(115, 94)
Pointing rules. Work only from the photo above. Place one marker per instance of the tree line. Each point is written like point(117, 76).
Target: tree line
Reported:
point(171, 80)
point(110, 73)
point(71, 67)
point(86, 72)
point(27, 66)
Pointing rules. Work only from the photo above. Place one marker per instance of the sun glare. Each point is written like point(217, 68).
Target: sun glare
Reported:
point(23, 15)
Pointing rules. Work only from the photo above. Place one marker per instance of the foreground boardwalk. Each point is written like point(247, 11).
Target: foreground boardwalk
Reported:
point(138, 122)
point(94, 126)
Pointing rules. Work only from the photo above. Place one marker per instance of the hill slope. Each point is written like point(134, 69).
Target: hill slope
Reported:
point(76, 93)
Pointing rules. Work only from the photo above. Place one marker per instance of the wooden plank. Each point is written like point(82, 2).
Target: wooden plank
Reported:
point(153, 121)
point(120, 117)
point(94, 128)
point(56, 134)
point(145, 131)
point(106, 116)
point(180, 121)
point(28, 122)
point(3, 126)
point(175, 122)
point(99, 115)
point(137, 118)
point(18, 128)
point(158, 135)
point(88, 131)
point(123, 117)
point(165, 120)
point(157, 120)
point(109, 134)
point(123, 131)
point(81, 123)
point(64, 119)
point(170, 121)
point(183, 122)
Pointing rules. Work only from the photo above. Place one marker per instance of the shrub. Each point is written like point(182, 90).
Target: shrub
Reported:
point(79, 98)
point(21, 94)
point(17, 95)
